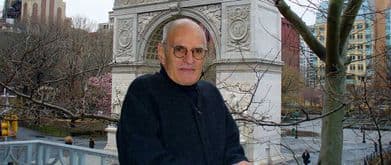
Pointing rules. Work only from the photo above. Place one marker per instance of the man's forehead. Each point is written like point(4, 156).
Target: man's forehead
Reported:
point(188, 27)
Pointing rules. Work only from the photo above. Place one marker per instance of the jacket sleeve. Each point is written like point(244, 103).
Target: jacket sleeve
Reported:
point(137, 132)
point(234, 152)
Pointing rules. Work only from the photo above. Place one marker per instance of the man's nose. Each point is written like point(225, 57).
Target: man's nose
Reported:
point(189, 57)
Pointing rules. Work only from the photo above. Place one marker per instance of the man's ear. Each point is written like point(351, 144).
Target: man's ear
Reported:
point(161, 53)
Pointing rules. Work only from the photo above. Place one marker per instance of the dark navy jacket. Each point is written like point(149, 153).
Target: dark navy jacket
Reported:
point(161, 124)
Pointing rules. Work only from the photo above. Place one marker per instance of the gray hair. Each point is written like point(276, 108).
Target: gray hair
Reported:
point(166, 29)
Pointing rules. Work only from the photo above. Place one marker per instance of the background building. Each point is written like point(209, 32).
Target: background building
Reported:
point(308, 65)
point(290, 45)
point(11, 9)
point(33, 11)
point(359, 45)
point(109, 26)
point(382, 53)
point(43, 11)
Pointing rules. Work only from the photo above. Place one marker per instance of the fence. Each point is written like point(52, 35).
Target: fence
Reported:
point(42, 152)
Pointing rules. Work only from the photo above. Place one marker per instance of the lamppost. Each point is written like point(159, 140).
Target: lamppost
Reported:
point(6, 95)
point(363, 134)
point(296, 115)
point(5, 125)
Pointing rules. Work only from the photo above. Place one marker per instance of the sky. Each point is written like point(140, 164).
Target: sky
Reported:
point(1, 7)
point(97, 10)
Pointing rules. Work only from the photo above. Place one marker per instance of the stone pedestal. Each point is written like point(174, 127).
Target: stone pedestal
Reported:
point(111, 142)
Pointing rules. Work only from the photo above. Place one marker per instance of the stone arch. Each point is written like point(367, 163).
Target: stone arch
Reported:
point(152, 33)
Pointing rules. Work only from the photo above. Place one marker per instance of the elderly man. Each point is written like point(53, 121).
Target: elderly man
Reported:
point(172, 117)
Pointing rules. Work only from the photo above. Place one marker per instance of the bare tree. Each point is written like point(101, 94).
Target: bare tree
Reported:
point(371, 105)
point(339, 23)
point(61, 60)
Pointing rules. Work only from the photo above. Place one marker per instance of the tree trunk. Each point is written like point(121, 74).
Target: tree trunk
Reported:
point(332, 128)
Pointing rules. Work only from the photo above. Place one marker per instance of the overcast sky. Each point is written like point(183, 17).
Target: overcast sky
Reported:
point(97, 10)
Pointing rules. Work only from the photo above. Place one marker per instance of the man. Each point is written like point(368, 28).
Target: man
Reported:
point(306, 157)
point(91, 143)
point(173, 118)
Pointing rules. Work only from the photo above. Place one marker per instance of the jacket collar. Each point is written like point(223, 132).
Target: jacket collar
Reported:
point(171, 82)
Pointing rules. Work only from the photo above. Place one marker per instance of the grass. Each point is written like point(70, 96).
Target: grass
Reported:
point(61, 128)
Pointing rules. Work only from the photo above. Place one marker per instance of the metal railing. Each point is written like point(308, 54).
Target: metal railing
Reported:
point(38, 152)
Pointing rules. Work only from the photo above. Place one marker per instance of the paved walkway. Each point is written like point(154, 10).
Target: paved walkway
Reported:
point(354, 151)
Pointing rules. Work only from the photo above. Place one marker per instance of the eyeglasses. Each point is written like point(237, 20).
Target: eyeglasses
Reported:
point(181, 52)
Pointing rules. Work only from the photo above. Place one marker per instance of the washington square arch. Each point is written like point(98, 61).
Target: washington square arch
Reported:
point(243, 59)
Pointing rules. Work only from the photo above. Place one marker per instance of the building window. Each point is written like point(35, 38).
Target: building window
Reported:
point(359, 47)
point(351, 46)
point(321, 38)
point(368, 36)
point(34, 15)
point(59, 16)
point(25, 11)
point(352, 36)
point(43, 11)
point(352, 67)
point(360, 67)
point(359, 26)
point(359, 36)
point(51, 11)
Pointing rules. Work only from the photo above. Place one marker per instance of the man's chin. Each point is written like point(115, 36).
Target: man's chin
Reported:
point(188, 82)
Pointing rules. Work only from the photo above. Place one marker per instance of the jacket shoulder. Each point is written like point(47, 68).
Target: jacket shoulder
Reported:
point(143, 82)
point(206, 85)
point(209, 89)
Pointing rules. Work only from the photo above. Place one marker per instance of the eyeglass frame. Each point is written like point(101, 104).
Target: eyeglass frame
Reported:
point(205, 50)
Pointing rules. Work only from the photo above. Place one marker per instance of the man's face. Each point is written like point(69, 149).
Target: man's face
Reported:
point(187, 69)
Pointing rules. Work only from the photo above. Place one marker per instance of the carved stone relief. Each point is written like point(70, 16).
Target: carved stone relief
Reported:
point(117, 99)
point(144, 19)
point(213, 13)
point(238, 28)
point(120, 3)
point(125, 36)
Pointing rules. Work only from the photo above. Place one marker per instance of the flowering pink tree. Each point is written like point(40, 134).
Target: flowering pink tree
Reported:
point(98, 94)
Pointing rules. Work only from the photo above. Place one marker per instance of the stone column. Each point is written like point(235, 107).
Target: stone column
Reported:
point(124, 56)
point(249, 71)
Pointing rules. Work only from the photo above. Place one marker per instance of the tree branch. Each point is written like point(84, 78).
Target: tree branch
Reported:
point(67, 112)
point(333, 35)
point(347, 22)
point(302, 28)
point(270, 123)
